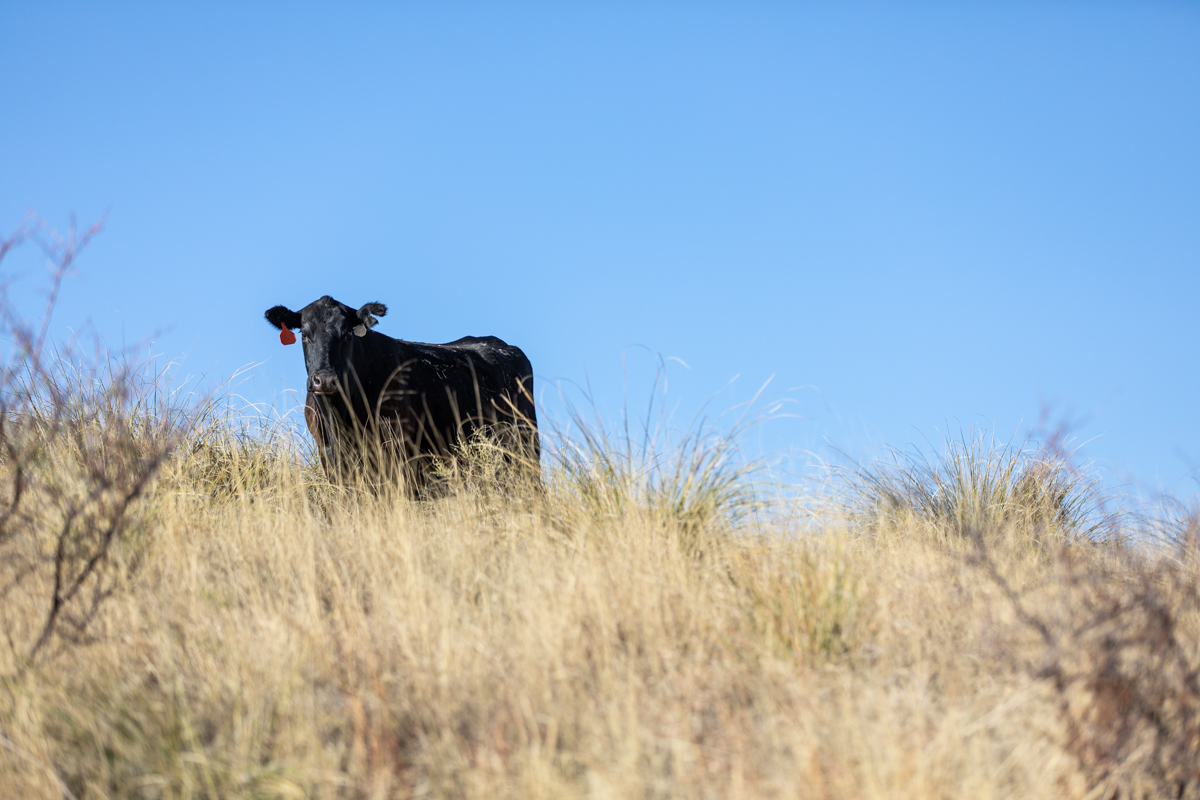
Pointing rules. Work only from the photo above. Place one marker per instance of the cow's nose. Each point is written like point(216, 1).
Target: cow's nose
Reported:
point(322, 383)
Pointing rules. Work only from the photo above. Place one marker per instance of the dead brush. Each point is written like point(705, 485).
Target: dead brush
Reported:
point(81, 441)
point(1120, 630)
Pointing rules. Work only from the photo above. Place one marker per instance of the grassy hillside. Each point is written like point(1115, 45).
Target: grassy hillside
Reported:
point(972, 626)
point(189, 610)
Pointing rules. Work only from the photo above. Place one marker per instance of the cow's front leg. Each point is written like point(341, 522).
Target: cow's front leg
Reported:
point(318, 426)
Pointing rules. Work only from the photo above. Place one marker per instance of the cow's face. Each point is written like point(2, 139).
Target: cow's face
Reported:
point(331, 334)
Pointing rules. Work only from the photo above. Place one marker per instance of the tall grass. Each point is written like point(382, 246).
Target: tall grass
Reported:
point(268, 635)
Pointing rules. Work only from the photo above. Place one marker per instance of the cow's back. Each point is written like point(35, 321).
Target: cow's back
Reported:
point(477, 371)
point(494, 341)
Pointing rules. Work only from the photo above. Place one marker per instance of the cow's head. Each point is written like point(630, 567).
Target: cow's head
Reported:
point(331, 332)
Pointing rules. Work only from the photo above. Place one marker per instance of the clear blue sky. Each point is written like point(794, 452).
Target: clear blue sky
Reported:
point(916, 216)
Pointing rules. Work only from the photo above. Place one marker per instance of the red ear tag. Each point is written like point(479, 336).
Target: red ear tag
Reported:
point(286, 336)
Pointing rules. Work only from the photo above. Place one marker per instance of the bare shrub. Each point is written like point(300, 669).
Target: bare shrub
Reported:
point(1120, 630)
point(81, 440)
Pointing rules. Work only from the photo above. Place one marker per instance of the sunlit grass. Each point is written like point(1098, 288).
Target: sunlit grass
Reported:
point(974, 484)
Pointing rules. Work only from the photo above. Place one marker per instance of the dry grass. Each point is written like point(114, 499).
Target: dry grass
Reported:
point(594, 636)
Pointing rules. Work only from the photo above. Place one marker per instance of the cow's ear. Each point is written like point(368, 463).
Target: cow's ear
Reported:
point(364, 313)
point(282, 315)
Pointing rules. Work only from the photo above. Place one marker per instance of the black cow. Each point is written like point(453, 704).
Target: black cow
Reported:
point(374, 400)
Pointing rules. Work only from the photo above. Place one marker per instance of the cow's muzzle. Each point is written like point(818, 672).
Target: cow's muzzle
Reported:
point(322, 383)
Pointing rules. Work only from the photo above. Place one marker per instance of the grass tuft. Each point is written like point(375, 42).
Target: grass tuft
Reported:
point(976, 484)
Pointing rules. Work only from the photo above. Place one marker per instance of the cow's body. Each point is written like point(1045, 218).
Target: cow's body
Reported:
point(374, 400)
